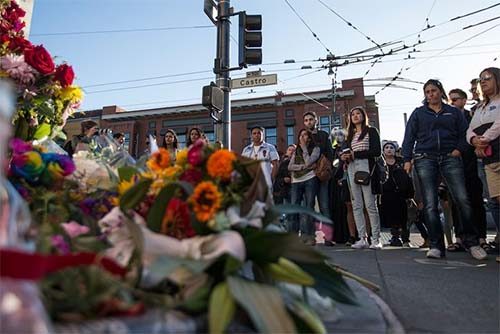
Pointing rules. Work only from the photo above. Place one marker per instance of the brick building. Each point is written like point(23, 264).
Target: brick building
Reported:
point(280, 115)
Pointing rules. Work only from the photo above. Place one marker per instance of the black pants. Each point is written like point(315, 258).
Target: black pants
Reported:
point(394, 214)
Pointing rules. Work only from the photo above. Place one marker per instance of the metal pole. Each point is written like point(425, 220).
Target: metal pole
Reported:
point(223, 129)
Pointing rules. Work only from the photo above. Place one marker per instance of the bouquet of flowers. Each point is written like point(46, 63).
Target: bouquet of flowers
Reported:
point(204, 228)
point(46, 96)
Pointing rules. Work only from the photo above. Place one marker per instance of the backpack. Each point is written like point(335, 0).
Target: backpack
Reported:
point(324, 169)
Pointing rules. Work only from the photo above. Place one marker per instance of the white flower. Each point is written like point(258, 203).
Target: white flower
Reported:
point(17, 68)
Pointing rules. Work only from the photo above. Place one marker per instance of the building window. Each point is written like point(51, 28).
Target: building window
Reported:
point(289, 113)
point(325, 123)
point(164, 124)
point(152, 125)
point(181, 141)
point(271, 136)
point(290, 135)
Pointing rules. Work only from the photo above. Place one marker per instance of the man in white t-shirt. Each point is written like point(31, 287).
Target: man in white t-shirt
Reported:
point(260, 150)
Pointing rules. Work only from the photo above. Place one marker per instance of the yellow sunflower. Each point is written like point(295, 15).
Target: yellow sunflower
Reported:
point(159, 160)
point(205, 200)
point(220, 164)
point(181, 157)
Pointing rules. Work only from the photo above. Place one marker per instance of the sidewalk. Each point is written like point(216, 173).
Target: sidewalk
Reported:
point(456, 295)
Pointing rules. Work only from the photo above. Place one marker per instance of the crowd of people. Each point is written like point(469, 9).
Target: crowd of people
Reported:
point(444, 178)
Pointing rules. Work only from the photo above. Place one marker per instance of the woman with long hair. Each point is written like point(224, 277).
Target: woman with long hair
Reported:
point(434, 140)
point(304, 183)
point(193, 135)
point(170, 143)
point(484, 134)
point(363, 143)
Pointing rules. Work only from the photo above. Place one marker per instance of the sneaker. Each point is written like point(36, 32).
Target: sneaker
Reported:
point(376, 245)
point(406, 244)
point(434, 253)
point(361, 243)
point(350, 241)
point(478, 253)
point(395, 242)
point(498, 258)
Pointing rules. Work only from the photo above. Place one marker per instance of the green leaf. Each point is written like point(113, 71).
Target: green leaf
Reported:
point(198, 302)
point(88, 244)
point(126, 173)
point(264, 247)
point(264, 305)
point(221, 308)
point(293, 209)
point(157, 210)
point(307, 317)
point(329, 283)
point(43, 130)
point(135, 195)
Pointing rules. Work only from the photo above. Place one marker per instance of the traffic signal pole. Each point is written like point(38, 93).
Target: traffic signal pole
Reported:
point(222, 65)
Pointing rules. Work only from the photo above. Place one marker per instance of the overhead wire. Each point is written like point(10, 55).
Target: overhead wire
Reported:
point(308, 27)
point(350, 24)
point(120, 31)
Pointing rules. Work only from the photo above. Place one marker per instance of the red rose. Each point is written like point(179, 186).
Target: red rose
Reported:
point(65, 75)
point(177, 220)
point(19, 43)
point(38, 58)
point(13, 13)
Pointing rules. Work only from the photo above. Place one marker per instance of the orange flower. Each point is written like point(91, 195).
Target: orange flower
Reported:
point(205, 200)
point(159, 160)
point(220, 164)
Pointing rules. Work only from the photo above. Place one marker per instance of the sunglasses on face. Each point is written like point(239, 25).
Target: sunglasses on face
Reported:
point(486, 78)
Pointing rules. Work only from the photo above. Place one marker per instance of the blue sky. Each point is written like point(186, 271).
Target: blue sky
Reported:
point(102, 58)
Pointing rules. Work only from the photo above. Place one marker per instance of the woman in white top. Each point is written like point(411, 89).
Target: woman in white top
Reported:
point(304, 183)
point(484, 129)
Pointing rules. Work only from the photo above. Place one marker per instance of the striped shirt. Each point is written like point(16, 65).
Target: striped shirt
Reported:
point(360, 145)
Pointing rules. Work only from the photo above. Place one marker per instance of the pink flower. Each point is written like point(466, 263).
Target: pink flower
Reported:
point(17, 68)
point(73, 229)
point(195, 153)
point(58, 242)
point(19, 146)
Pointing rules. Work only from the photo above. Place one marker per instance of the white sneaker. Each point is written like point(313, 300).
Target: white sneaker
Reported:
point(406, 244)
point(478, 253)
point(361, 243)
point(434, 253)
point(376, 245)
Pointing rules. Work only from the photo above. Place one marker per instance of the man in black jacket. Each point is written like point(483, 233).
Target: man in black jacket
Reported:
point(322, 139)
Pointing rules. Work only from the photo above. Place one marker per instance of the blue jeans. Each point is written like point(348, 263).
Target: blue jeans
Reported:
point(429, 169)
point(306, 189)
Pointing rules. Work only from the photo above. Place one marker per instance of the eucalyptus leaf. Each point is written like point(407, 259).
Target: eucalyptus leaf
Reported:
point(330, 283)
point(221, 308)
point(133, 196)
point(265, 246)
point(264, 305)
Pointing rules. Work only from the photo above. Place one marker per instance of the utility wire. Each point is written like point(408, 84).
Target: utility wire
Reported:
point(475, 12)
point(483, 22)
point(350, 25)
point(149, 85)
point(119, 31)
point(308, 27)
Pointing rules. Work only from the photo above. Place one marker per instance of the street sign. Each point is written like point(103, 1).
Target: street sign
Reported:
point(254, 81)
point(210, 8)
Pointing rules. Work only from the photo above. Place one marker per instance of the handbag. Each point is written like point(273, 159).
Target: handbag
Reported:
point(362, 178)
point(324, 169)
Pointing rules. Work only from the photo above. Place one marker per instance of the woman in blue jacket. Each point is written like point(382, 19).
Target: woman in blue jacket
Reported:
point(434, 140)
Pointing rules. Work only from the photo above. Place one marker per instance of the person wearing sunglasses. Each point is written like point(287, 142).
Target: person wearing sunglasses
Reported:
point(484, 132)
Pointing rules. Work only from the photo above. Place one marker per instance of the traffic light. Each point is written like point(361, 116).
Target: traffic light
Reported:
point(250, 52)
